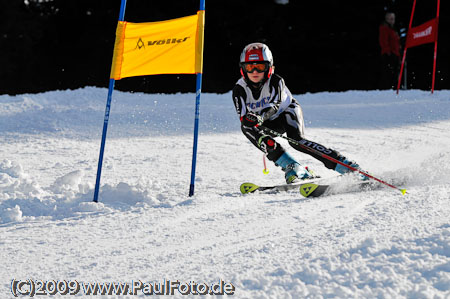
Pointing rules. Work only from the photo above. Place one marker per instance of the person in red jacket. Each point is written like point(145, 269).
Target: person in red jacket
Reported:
point(390, 52)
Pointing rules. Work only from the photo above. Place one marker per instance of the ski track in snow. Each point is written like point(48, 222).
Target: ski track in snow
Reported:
point(375, 244)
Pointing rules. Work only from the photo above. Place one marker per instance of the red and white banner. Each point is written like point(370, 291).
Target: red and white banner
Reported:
point(422, 34)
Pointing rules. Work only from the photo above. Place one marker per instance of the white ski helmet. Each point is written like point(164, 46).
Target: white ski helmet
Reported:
point(255, 53)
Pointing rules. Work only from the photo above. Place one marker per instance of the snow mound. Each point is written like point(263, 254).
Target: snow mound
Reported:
point(23, 199)
point(15, 183)
point(13, 106)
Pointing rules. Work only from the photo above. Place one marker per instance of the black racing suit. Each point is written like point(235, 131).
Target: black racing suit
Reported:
point(273, 101)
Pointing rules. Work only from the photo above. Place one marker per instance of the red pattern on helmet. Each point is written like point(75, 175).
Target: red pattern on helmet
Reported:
point(254, 55)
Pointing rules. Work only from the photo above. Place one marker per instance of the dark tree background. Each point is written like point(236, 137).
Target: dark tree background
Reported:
point(317, 45)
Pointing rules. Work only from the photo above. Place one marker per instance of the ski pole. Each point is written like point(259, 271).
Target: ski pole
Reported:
point(312, 150)
point(265, 170)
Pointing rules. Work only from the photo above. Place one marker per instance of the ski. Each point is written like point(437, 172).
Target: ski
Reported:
point(250, 187)
point(313, 188)
point(316, 190)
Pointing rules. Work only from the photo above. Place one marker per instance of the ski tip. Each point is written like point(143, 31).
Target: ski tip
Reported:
point(248, 188)
point(403, 191)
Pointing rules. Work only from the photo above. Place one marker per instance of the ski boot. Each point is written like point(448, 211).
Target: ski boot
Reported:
point(293, 171)
point(343, 170)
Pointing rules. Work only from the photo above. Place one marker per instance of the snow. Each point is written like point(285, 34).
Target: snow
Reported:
point(375, 244)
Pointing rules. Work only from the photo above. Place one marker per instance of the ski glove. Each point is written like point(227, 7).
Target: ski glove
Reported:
point(252, 120)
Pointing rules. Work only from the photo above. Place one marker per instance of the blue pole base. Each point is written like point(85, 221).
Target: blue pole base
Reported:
point(191, 190)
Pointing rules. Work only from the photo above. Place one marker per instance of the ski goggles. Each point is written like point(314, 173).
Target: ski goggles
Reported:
point(259, 67)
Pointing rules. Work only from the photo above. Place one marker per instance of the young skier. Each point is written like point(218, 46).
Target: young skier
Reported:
point(262, 98)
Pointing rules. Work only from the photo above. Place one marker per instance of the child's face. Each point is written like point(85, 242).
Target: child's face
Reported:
point(255, 77)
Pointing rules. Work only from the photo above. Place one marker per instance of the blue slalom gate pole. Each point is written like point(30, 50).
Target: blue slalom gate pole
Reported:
point(198, 92)
point(196, 122)
point(105, 123)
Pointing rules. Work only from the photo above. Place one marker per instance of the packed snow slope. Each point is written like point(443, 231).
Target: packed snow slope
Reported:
point(373, 244)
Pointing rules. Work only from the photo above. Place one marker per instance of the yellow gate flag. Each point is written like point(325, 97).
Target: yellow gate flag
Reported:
point(166, 47)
